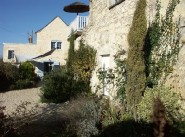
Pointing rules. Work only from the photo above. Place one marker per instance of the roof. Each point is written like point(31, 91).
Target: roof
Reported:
point(45, 54)
point(50, 22)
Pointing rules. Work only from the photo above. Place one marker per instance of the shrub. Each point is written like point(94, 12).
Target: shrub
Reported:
point(17, 78)
point(23, 84)
point(172, 102)
point(84, 115)
point(8, 75)
point(56, 87)
point(27, 71)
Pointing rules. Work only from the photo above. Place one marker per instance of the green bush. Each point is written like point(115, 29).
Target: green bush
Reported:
point(8, 75)
point(27, 71)
point(23, 84)
point(13, 77)
point(57, 87)
point(172, 102)
point(84, 115)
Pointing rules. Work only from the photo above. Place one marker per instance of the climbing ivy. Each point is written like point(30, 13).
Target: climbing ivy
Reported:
point(162, 45)
point(115, 78)
point(84, 62)
point(70, 59)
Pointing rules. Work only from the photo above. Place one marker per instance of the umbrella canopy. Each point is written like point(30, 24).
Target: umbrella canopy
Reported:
point(76, 7)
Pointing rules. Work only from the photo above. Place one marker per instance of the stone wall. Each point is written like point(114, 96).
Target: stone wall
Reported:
point(108, 28)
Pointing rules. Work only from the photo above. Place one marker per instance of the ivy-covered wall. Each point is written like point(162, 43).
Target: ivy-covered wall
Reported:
point(108, 28)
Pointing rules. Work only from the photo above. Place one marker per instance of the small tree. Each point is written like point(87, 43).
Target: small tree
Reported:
point(136, 76)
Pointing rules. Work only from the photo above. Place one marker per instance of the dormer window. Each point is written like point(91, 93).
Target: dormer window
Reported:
point(56, 44)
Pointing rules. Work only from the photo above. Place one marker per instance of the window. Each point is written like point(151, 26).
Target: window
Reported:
point(113, 3)
point(10, 54)
point(59, 45)
point(53, 45)
point(56, 44)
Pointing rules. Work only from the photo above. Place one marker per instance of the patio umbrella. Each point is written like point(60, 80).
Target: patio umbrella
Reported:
point(76, 7)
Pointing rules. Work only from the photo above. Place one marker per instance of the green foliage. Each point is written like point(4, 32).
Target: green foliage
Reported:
point(26, 71)
point(84, 115)
point(136, 76)
point(13, 77)
point(83, 65)
point(84, 62)
point(172, 102)
point(116, 77)
point(8, 75)
point(23, 84)
point(162, 45)
point(112, 114)
point(70, 59)
point(57, 87)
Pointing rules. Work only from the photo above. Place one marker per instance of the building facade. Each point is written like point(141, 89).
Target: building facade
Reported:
point(109, 24)
point(49, 52)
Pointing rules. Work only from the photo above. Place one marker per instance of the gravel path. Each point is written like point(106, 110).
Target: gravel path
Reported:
point(12, 99)
point(43, 118)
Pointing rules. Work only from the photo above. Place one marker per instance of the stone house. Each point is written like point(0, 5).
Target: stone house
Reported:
point(109, 24)
point(51, 48)
point(49, 52)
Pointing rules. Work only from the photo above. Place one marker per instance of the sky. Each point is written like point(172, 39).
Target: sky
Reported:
point(20, 17)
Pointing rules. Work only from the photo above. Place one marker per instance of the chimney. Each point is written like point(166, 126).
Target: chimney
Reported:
point(30, 38)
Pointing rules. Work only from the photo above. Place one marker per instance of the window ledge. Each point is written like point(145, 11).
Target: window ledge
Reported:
point(117, 3)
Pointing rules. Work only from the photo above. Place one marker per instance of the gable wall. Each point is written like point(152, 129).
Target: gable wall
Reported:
point(56, 30)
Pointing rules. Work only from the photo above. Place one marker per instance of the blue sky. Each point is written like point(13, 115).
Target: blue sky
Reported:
point(20, 17)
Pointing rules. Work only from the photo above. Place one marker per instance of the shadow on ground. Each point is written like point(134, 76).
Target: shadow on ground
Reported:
point(42, 120)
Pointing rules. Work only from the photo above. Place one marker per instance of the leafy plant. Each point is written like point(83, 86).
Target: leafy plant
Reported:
point(172, 102)
point(84, 114)
point(71, 50)
point(136, 77)
point(83, 65)
point(57, 87)
point(162, 45)
point(8, 74)
point(115, 78)
point(27, 71)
